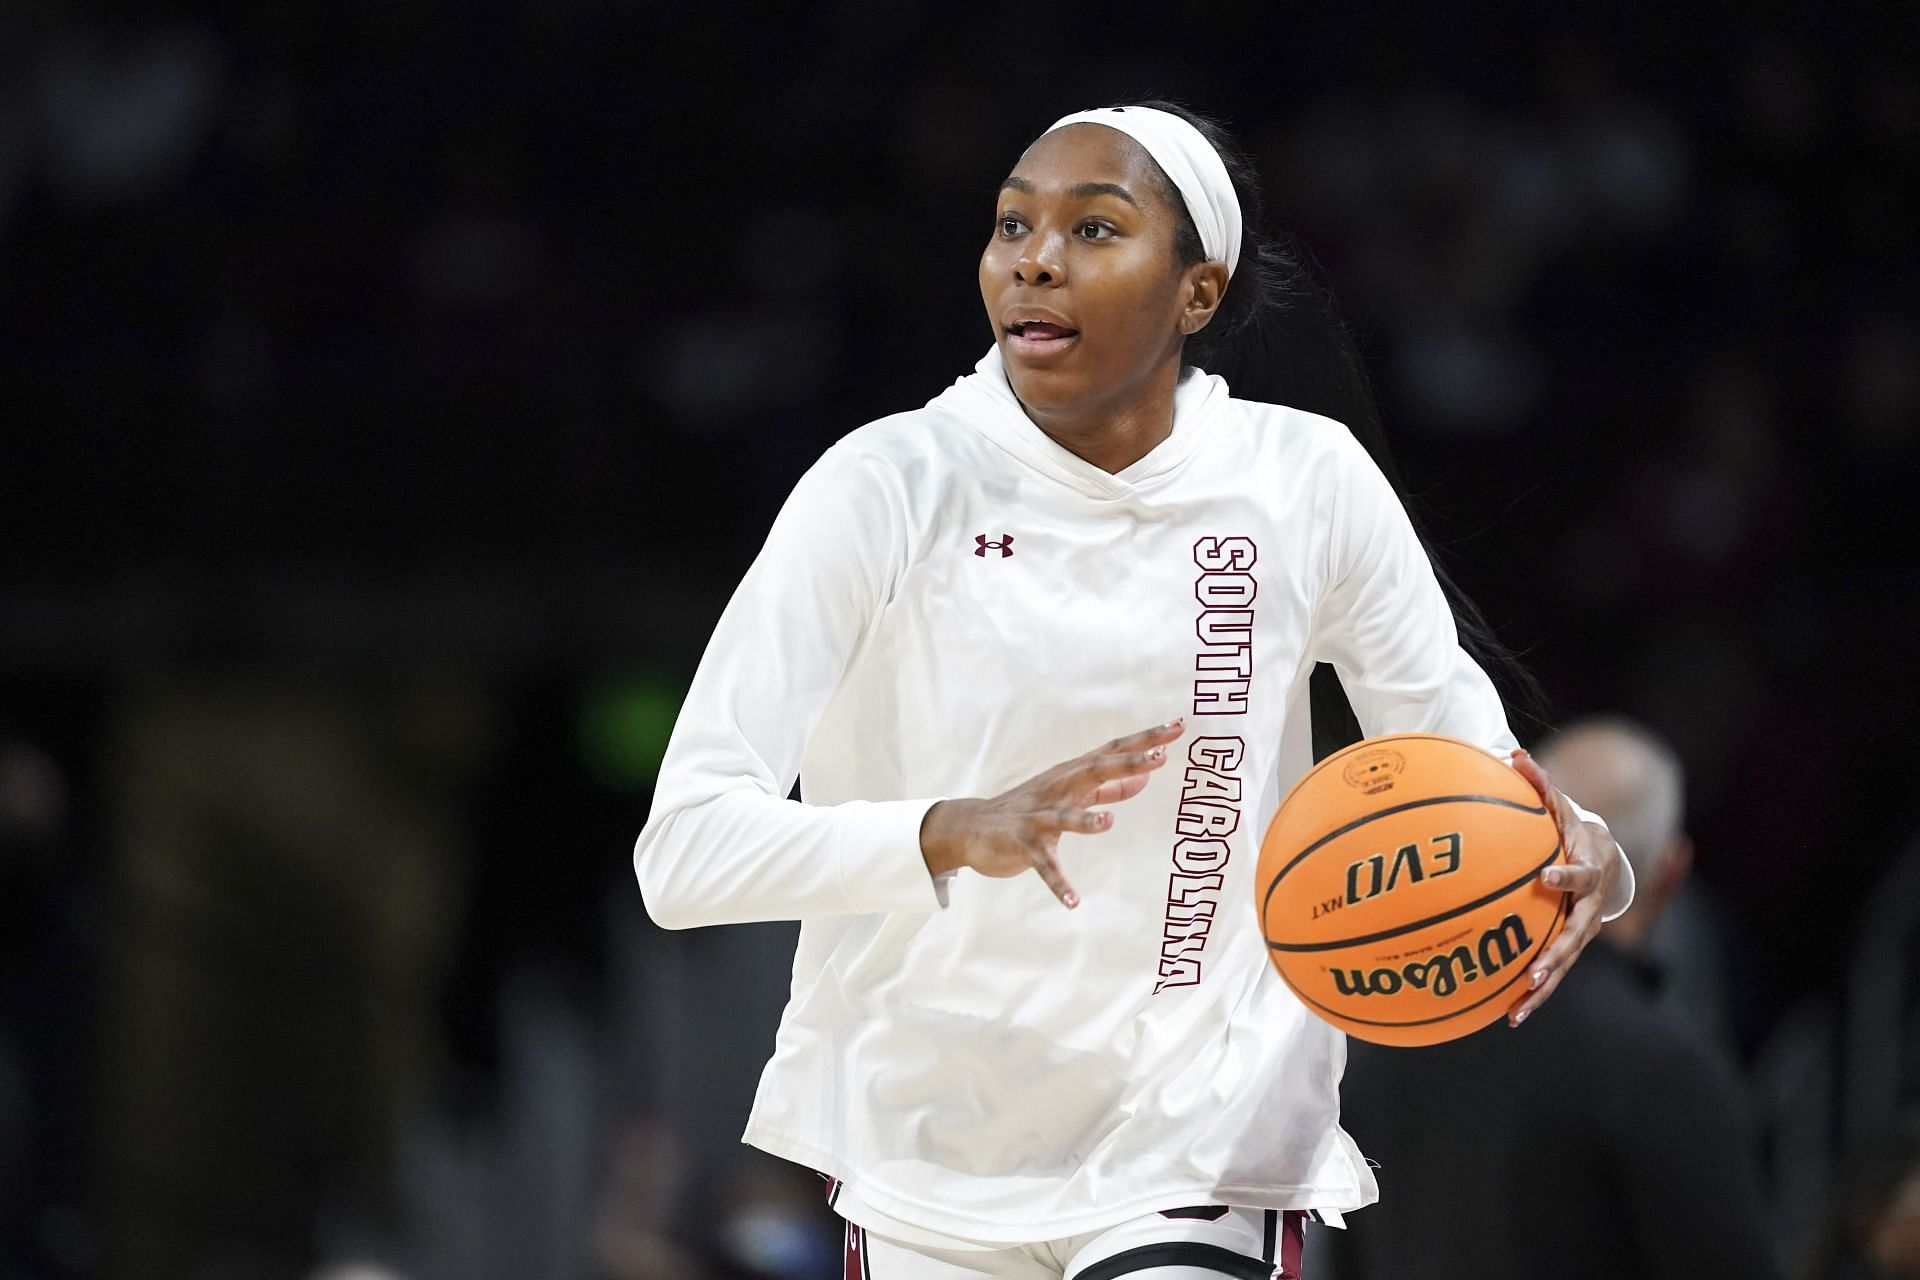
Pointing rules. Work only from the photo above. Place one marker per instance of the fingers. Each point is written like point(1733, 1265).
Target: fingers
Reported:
point(1095, 771)
point(1123, 758)
point(1158, 736)
point(1110, 776)
point(1117, 789)
point(1043, 849)
point(1583, 922)
point(1529, 768)
point(1592, 862)
point(1586, 879)
point(1085, 821)
point(1518, 1014)
point(1574, 878)
point(1048, 868)
point(1116, 758)
point(1111, 773)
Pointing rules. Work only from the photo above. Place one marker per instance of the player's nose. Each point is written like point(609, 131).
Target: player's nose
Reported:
point(1042, 260)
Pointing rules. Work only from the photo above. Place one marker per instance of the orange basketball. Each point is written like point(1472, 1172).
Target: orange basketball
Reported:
point(1399, 888)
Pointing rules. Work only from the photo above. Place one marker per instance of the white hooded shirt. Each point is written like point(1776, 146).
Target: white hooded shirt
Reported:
point(949, 603)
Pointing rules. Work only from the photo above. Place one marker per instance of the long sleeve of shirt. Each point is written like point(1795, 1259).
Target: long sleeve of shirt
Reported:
point(723, 843)
point(1385, 626)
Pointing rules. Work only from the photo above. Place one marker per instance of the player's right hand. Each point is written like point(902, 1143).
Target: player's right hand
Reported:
point(1019, 830)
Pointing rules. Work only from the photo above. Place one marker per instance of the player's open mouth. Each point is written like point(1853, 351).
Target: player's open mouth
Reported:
point(1039, 337)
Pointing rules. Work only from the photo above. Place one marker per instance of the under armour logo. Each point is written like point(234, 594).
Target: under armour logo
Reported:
point(1004, 546)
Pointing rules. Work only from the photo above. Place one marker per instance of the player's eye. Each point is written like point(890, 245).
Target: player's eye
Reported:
point(1010, 224)
point(1091, 230)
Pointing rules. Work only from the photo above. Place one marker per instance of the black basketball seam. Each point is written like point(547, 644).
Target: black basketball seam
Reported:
point(1494, 896)
point(1445, 1017)
point(1357, 823)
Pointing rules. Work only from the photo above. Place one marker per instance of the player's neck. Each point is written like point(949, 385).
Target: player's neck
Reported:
point(1114, 436)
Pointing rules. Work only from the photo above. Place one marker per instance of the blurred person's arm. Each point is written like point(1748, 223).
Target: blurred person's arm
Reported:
point(723, 843)
point(1386, 629)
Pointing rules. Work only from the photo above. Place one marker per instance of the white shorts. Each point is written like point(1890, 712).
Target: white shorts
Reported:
point(1206, 1242)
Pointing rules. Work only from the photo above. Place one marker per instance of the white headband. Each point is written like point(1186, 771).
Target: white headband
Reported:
point(1196, 169)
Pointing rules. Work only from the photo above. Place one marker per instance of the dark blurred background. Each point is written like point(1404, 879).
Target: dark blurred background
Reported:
point(391, 394)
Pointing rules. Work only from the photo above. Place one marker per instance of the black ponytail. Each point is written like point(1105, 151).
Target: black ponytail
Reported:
point(1278, 338)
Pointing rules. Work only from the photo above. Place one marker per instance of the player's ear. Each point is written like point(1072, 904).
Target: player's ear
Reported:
point(1204, 285)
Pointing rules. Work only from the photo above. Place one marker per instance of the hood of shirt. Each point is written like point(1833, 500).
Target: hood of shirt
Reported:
point(984, 399)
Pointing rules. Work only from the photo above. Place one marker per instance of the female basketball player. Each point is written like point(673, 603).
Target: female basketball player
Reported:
point(1087, 540)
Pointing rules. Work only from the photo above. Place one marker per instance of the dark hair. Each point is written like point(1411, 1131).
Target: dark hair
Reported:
point(1277, 337)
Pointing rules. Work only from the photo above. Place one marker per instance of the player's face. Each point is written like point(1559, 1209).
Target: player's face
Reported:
point(1079, 278)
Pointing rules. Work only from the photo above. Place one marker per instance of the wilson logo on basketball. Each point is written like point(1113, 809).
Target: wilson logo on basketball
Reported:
point(1373, 771)
point(1442, 974)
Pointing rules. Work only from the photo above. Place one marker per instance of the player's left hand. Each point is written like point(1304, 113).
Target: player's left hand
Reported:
point(1588, 876)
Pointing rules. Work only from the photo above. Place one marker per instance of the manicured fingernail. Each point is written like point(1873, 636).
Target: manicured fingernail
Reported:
point(1157, 753)
point(1072, 900)
point(1539, 976)
point(1555, 877)
point(1174, 723)
point(1521, 1016)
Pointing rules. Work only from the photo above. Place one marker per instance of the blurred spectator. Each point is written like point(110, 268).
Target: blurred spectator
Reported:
point(1604, 1138)
point(47, 1006)
point(633, 1235)
point(1632, 779)
point(356, 1271)
point(769, 1220)
point(1873, 1228)
point(124, 110)
point(775, 1225)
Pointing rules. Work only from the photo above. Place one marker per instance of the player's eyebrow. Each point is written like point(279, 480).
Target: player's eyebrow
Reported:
point(1079, 192)
point(1086, 189)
